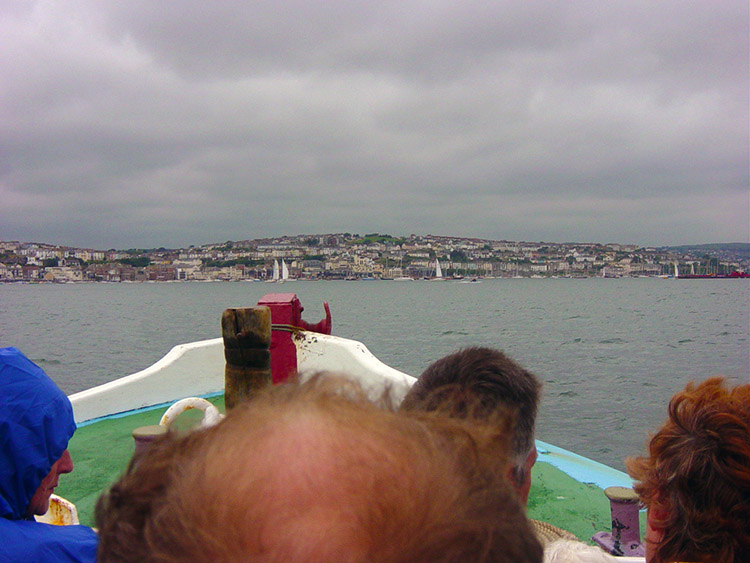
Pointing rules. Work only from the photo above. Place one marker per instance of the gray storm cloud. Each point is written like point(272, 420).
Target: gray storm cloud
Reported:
point(176, 123)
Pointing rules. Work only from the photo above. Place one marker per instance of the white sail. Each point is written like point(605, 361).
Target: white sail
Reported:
point(438, 269)
point(284, 270)
point(275, 270)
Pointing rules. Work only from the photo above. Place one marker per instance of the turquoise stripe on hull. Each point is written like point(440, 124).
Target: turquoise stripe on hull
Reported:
point(582, 469)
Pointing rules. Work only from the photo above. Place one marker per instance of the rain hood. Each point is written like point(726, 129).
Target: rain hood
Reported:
point(36, 423)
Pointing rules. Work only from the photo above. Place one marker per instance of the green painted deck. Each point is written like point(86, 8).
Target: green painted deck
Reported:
point(101, 452)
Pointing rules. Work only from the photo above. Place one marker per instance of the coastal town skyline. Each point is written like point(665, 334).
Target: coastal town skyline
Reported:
point(143, 124)
point(352, 256)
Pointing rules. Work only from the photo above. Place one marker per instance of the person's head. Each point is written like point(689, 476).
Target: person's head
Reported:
point(39, 503)
point(478, 381)
point(316, 472)
point(695, 479)
point(37, 422)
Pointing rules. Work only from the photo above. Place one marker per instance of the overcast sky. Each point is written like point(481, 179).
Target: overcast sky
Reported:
point(170, 123)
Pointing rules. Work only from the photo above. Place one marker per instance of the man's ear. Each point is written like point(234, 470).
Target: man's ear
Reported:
point(531, 459)
point(524, 487)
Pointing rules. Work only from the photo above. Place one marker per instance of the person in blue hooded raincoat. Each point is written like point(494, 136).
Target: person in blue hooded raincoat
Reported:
point(36, 423)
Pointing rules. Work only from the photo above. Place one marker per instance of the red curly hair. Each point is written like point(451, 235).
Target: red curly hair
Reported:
point(696, 478)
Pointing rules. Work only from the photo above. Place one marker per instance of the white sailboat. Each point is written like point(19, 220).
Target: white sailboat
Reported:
point(275, 276)
point(438, 271)
point(284, 272)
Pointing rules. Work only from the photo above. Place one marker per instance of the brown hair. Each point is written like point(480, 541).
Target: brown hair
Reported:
point(315, 471)
point(696, 477)
point(481, 380)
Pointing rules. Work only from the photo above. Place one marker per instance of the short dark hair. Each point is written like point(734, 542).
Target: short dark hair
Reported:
point(481, 380)
point(316, 471)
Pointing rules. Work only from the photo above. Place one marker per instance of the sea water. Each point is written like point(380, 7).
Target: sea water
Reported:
point(610, 352)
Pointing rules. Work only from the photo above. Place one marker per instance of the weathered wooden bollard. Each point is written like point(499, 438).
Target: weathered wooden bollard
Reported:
point(247, 338)
point(625, 538)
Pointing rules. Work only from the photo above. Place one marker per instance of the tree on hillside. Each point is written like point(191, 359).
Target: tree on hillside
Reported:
point(137, 262)
point(458, 256)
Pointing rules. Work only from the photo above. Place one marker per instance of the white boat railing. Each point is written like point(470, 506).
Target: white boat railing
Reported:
point(322, 352)
point(194, 369)
point(197, 370)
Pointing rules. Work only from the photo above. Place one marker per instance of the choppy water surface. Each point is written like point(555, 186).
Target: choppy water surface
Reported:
point(610, 352)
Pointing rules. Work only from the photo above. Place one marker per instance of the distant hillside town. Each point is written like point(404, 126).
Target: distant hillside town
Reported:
point(373, 256)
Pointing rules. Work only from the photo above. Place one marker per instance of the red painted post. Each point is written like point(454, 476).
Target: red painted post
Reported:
point(286, 318)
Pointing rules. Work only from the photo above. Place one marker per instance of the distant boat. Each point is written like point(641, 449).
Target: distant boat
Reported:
point(401, 269)
point(438, 272)
point(733, 275)
point(276, 276)
point(285, 273)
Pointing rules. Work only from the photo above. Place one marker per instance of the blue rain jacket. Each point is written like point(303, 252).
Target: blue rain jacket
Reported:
point(36, 423)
